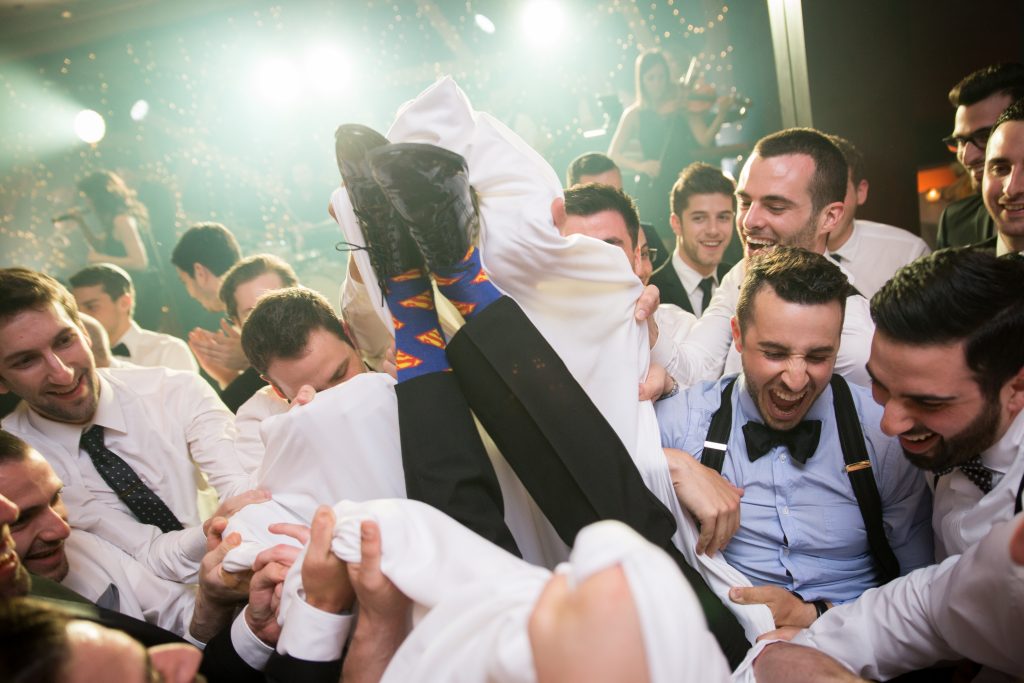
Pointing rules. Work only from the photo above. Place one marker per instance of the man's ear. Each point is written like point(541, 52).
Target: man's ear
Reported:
point(124, 303)
point(201, 274)
point(862, 192)
point(348, 333)
point(277, 389)
point(830, 218)
point(677, 225)
point(737, 335)
point(1015, 393)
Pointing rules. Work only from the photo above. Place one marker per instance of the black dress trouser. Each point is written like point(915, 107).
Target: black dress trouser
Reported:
point(560, 446)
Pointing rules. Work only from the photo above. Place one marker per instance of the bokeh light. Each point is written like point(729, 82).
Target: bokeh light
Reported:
point(139, 110)
point(90, 126)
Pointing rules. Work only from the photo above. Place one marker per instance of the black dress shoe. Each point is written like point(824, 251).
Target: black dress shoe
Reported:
point(429, 187)
point(390, 248)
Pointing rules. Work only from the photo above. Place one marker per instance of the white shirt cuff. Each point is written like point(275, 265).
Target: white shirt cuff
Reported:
point(313, 635)
point(248, 646)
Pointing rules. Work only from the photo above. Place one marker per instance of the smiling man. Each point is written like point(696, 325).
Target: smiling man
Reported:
point(703, 213)
point(790, 193)
point(947, 364)
point(128, 443)
point(1003, 182)
point(780, 431)
point(979, 99)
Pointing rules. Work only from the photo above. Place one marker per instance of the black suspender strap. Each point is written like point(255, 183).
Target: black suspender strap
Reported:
point(1019, 505)
point(717, 440)
point(858, 468)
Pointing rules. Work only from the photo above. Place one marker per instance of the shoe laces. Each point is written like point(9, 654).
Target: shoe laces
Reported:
point(347, 247)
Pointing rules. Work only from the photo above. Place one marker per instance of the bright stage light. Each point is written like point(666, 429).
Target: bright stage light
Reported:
point(139, 110)
point(276, 80)
point(327, 71)
point(484, 23)
point(90, 126)
point(543, 21)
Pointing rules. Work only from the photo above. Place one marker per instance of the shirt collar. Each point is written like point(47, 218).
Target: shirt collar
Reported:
point(1002, 454)
point(688, 276)
point(130, 336)
point(848, 252)
point(108, 413)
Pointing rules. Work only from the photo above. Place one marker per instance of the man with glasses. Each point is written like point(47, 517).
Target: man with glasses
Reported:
point(979, 99)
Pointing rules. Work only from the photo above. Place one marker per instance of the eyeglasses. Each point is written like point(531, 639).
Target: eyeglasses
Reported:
point(978, 138)
point(649, 253)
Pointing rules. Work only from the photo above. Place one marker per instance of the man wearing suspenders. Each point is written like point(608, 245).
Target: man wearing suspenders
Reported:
point(947, 363)
point(830, 507)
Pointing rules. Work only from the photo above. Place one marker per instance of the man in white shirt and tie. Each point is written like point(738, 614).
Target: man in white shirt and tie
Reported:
point(106, 292)
point(871, 252)
point(132, 445)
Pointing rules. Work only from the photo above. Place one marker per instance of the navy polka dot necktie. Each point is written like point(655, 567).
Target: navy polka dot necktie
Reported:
point(975, 471)
point(123, 481)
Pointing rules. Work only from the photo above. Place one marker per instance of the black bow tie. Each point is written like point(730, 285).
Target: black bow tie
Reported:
point(801, 440)
point(975, 471)
point(121, 350)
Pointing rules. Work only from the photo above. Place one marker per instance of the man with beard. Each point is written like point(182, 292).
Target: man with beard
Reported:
point(790, 193)
point(779, 431)
point(947, 365)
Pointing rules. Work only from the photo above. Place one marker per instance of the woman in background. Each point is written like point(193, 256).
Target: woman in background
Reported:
point(668, 124)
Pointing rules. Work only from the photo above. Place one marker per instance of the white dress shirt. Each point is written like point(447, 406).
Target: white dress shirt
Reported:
point(875, 251)
point(263, 404)
point(969, 606)
point(691, 280)
point(155, 349)
point(673, 325)
point(708, 351)
point(961, 514)
point(471, 617)
point(95, 565)
point(172, 429)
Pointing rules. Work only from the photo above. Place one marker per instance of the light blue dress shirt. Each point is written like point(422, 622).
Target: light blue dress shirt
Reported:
point(800, 526)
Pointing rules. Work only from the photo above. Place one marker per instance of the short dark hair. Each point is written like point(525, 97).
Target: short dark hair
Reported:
point(250, 268)
point(1006, 78)
point(12, 448)
point(210, 244)
point(35, 645)
point(1015, 112)
point(281, 322)
point(21, 289)
point(959, 295)
point(854, 159)
point(828, 183)
point(116, 282)
point(586, 200)
point(700, 178)
point(796, 275)
point(591, 163)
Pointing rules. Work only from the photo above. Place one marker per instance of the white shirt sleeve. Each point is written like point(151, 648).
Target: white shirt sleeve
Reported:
point(209, 431)
point(674, 324)
point(312, 634)
point(248, 647)
point(967, 606)
point(177, 356)
point(702, 355)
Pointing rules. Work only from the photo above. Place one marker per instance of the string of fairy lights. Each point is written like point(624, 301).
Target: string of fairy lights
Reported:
point(230, 117)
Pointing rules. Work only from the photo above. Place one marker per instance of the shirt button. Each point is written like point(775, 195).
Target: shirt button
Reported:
point(785, 509)
point(782, 457)
point(785, 551)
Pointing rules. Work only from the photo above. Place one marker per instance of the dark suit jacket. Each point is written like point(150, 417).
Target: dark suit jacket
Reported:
point(964, 222)
point(671, 288)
